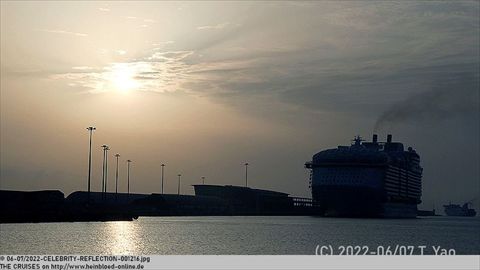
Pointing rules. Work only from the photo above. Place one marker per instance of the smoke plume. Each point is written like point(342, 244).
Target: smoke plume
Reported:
point(458, 97)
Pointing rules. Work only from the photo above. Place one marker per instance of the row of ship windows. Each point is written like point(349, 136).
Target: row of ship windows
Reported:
point(396, 175)
point(402, 186)
point(402, 177)
point(342, 180)
point(358, 179)
point(404, 195)
point(404, 183)
point(395, 185)
point(396, 169)
point(403, 173)
point(403, 191)
point(350, 180)
point(396, 179)
point(414, 194)
point(410, 173)
point(338, 172)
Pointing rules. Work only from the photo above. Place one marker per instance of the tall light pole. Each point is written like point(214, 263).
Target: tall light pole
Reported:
point(90, 131)
point(203, 180)
point(103, 168)
point(128, 176)
point(163, 166)
point(104, 173)
point(106, 170)
point(178, 188)
point(246, 174)
point(116, 175)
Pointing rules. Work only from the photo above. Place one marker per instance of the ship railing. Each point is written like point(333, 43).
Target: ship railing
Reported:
point(302, 202)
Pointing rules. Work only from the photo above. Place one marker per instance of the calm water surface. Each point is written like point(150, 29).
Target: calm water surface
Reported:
point(236, 235)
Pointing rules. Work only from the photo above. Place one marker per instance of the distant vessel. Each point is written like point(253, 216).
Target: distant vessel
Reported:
point(459, 211)
point(367, 179)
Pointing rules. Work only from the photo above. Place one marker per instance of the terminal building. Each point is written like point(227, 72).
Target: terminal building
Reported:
point(248, 201)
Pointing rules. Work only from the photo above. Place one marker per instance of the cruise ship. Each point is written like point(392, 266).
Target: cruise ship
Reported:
point(459, 211)
point(367, 179)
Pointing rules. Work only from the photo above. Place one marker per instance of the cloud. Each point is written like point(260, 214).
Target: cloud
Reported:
point(214, 27)
point(354, 58)
point(160, 45)
point(163, 43)
point(83, 68)
point(103, 9)
point(62, 32)
point(358, 58)
point(169, 55)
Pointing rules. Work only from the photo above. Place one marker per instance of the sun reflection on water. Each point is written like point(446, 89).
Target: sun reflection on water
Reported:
point(124, 238)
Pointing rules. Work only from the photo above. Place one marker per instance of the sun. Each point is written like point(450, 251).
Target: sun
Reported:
point(122, 78)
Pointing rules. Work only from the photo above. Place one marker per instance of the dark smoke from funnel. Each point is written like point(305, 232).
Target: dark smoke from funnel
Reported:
point(454, 96)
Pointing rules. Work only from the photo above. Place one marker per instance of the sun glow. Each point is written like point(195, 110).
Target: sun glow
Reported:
point(122, 78)
point(162, 72)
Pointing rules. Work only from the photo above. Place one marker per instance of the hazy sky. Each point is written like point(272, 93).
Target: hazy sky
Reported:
point(204, 87)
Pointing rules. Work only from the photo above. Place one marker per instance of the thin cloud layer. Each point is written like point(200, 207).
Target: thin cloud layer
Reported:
point(347, 56)
point(213, 27)
point(159, 72)
point(62, 32)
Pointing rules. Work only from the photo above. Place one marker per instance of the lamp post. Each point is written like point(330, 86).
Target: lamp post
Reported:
point(246, 174)
point(128, 176)
point(178, 188)
point(203, 180)
point(163, 166)
point(90, 131)
point(116, 176)
point(104, 172)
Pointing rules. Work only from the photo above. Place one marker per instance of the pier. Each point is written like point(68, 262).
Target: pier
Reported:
point(209, 200)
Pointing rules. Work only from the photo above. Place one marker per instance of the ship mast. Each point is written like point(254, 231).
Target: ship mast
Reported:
point(357, 140)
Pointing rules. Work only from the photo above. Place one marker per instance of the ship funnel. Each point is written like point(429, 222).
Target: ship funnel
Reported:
point(389, 138)
point(375, 138)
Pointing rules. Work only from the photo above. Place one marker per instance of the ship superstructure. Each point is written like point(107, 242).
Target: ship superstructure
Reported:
point(374, 179)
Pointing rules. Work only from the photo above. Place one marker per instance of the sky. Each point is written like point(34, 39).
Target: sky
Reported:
point(204, 87)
